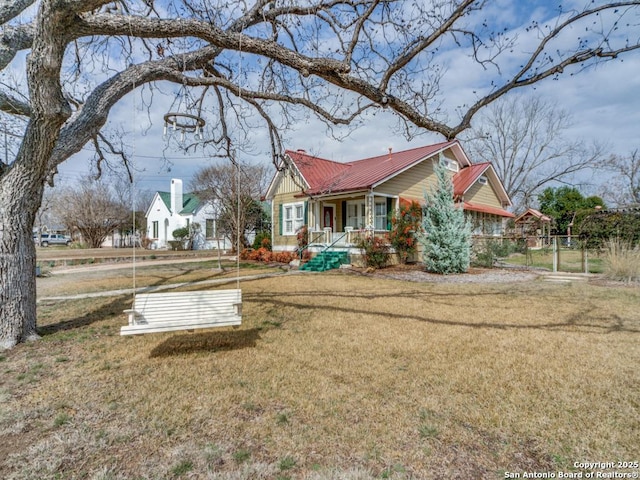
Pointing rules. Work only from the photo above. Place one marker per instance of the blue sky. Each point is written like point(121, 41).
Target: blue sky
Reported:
point(604, 101)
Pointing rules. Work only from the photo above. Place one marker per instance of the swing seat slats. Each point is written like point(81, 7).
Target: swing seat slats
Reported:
point(165, 312)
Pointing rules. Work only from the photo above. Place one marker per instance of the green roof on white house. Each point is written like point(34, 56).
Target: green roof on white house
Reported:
point(190, 202)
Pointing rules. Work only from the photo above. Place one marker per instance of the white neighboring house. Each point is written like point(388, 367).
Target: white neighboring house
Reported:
point(175, 209)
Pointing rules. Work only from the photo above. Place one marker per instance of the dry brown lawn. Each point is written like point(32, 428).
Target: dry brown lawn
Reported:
point(332, 376)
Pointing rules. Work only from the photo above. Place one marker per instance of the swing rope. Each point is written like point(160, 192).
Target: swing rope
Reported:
point(238, 169)
point(133, 173)
point(233, 160)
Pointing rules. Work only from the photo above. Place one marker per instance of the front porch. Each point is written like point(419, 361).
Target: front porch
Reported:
point(346, 240)
point(327, 250)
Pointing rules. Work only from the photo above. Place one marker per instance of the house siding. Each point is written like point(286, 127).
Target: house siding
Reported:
point(412, 183)
point(283, 242)
point(483, 194)
point(288, 185)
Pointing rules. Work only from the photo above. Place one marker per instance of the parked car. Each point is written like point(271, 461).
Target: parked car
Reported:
point(47, 239)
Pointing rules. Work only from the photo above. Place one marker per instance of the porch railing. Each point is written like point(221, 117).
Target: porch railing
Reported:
point(327, 238)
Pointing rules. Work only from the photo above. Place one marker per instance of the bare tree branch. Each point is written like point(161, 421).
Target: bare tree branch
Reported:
point(524, 139)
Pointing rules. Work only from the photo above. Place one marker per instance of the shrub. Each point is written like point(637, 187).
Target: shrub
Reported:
point(263, 255)
point(487, 251)
point(180, 233)
point(404, 226)
point(302, 237)
point(283, 257)
point(599, 227)
point(622, 261)
point(376, 251)
point(262, 240)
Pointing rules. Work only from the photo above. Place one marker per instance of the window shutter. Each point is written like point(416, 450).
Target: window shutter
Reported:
point(280, 219)
point(389, 212)
point(344, 215)
point(305, 219)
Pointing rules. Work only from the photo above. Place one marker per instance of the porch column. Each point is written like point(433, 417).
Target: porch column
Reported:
point(314, 215)
point(369, 210)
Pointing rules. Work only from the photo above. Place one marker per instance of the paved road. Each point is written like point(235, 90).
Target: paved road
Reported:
point(139, 263)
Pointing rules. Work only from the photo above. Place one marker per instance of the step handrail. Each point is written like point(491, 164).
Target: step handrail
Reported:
point(311, 242)
point(327, 247)
point(324, 259)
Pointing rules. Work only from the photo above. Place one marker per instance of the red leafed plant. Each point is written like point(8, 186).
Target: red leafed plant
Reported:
point(405, 224)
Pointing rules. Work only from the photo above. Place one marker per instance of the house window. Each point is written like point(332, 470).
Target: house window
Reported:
point(155, 229)
point(495, 225)
point(293, 214)
point(475, 219)
point(209, 230)
point(486, 224)
point(381, 215)
point(355, 214)
point(482, 180)
point(449, 164)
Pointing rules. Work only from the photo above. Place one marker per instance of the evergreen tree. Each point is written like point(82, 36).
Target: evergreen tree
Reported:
point(447, 233)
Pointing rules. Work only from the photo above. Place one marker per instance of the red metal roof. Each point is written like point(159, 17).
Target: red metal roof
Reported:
point(317, 172)
point(487, 209)
point(534, 213)
point(326, 176)
point(467, 177)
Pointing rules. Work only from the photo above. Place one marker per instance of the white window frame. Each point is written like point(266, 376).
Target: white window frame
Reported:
point(356, 217)
point(292, 217)
point(449, 164)
point(380, 221)
point(486, 224)
point(210, 222)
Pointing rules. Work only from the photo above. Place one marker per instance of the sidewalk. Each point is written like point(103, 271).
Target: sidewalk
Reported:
point(139, 263)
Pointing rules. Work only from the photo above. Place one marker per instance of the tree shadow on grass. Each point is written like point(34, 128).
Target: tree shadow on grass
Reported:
point(112, 309)
point(586, 317)
point(115, 308)
point(206, 342)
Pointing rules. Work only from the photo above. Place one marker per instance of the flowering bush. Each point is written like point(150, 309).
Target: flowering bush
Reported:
point(404, 226)
point(302, 236)
point(376, 251)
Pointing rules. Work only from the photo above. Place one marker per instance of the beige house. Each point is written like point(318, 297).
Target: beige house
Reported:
point(337, 202)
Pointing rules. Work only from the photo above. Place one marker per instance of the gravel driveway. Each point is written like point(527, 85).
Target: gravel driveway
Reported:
point(414, 273)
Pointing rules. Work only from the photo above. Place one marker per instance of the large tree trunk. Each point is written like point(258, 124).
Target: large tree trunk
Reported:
point(22, 184)
point(20, 197)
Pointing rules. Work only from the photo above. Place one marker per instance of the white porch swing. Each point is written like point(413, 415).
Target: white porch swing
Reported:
point(175, 311)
